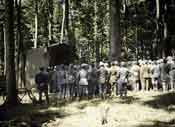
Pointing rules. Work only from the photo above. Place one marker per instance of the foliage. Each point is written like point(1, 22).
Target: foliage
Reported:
point(90, 27)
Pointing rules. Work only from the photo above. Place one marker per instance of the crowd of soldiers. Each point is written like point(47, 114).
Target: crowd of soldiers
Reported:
point(107, 79)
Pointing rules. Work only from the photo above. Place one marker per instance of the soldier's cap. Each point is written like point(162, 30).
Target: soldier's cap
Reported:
point(134, 62)
point(101, 64)
point(84, 65)
point(169, 58)
point(106, 64)
point(123, 64)
point(116, 62)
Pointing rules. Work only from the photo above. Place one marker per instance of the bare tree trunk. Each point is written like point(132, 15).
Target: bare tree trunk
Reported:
point(50, 20)
point(5, 62)
point(157, 9)
point(164, 29)
point(157, 28)
point(19, 42)
point(67, 18)
point(36, 24)
point(1, 47)
point(62, 26)
point(10, 54)
point(164, 38)
point(97, 45)
point(115, 51)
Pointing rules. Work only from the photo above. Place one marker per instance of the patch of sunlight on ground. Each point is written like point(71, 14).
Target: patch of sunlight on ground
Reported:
point(119, 115)
point(139, 109)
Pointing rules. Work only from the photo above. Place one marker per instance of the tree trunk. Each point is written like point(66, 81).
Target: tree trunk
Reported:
point(97, 45)
point(1, 47)
point(115, 50)
point(10, 51)
point(19, 41)
point(5, 62)
point(63, 23)
point(164, 38)
point(157, 32)
point(157, 9)
point(50, 20)
point(36, 24)
point(67, 18)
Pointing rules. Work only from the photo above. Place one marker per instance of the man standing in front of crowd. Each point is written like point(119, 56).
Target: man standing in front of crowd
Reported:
point(42, 79)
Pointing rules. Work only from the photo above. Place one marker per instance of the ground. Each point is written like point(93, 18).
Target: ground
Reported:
point(139, 109)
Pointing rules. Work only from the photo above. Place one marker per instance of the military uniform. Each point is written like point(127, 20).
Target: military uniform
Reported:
point(122, 81)
point(113, 78)
point(172, 76)
point(135, 71)
point(164, 69)
point(155, 75)
point(102, 77)
point(146, 76)
point(141, 77)
point(42, 80)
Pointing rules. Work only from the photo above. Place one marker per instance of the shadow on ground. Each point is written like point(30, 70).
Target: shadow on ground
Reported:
point(170, 123)
point(165, 101)
point(96, 102)
point(125, 100)
point(92, 102)
point(27, 115)
point(128, 100)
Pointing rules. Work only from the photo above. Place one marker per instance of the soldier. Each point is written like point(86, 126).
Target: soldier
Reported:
point(172, 75)
point(92, 80)
point(52, 80)
point(146, 76)
point(42, 80)
point(135, 71)
point(71, 80)
point(155, 75)
point(61, 81)
point(142, 64)
point(164, 70)
point(83, 81)
point(123, 79)
point(102, 78)
point(113, 77)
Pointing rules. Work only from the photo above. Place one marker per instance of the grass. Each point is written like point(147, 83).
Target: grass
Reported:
point(140, 109)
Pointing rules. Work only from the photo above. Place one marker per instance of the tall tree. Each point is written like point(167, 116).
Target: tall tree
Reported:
point(18, 37)
point(63, 20)
point(67, 17)
point(50, 8)
point(10, 51)
point(115, 50)
point(36, 24)
point(97, 49)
